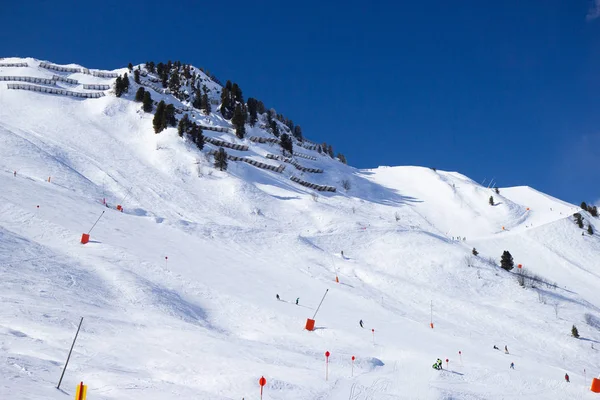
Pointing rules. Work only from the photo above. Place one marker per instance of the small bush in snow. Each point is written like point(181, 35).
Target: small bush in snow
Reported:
point(475, 252)
point(574, 332)
point(491, 200)
point(346, 184)
point(315, 197)
point(397, 216)
point(497, 190)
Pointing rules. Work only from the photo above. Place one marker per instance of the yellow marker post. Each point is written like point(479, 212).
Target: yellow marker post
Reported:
point(81, 392)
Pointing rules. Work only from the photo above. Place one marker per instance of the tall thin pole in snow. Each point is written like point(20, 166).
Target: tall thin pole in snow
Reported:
point(96, 222)
point(69, 356)
point(320, 304)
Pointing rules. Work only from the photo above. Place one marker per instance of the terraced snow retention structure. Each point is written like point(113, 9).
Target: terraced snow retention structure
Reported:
point(321, 188)
point(31, 79)
point(222, 143)
point(302, 155)
point(295, 164)
point(66, 80)
point(43, 89)
point(96, 87)
point(53, 67)
point(13, 65)
point(257, 164)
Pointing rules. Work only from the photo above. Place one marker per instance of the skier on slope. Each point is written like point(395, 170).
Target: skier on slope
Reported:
point(297, 300)
point(361, 323)
point(496, 347)
point(512, 365)
point(277, 297)
point(567, 378)
point(505, 349)
point(437, 365)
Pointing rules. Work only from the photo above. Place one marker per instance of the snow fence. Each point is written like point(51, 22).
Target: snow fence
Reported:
point(96, 87)
point(321, 188)
point(66, 80)
point(13, 65)
point(32, 79)
point(295, 164)
point(302, 155)
point(63, 92)
point(257, 164)
point(263, 139)
point(54, 67)
point(222, 143)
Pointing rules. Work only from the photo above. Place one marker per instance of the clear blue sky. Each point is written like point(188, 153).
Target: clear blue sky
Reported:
point(507, 89)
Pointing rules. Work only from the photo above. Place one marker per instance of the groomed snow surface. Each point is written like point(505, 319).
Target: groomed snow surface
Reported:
point(205, 324)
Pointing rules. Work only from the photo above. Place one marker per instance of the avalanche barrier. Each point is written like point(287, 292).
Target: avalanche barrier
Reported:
point(252, 162)
point(31, 79)
point(222, 143)
point(63, 92)
point(321, 188)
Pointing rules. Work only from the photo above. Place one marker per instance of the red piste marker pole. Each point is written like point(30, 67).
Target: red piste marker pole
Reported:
point(353, 358)
point(262, 382)
point(373, 331)
point(166, 262)
point(460, 356)
point(327, 354)
point(447, 361)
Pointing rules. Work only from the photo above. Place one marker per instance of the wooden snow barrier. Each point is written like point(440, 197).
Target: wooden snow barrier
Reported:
point(301, 155)
point(222, 143)
point(8, 65)
point(95, 87)
point(63, 92)
point(54, 67)
point(320, 188)
point(294, 163)
point(308, 146)
point(216, 128)
point(153, 79)
point(263, 139)
point(257, 164)
point(102, 74)
point(66, 80)
point(31, 79)
point(153, 87)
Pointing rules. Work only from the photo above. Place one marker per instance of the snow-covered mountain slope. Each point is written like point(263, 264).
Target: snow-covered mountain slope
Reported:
point(205, 323)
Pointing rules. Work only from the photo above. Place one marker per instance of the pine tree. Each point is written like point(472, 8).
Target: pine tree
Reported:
point(590, 230)
point(578, 220)
point(330, 151)
point(158, 122)
point(184, 124)
point(491, 200)
point(475, 252)
point(594, 211)
point(274, 128)
point(174, 82)
point(319, 149)
point(170, 116)
point(506, 262)
point(574, 332)
point(118, 86)
point(342, 158)
point(260, 107)
point(197, 102)
point(226, 110)
point(298, 132)
point(136, 76)
point(150, 67)
point(252, 110)
point(147, 105)
point(197, 136)
point(497, 190)
point(206, 104)
point(584, 206)
point(236, 93)
point(139, 95)
point(239, 121)
point(130, 67)
point(125, 83)
point(286, 143)
point(221, 159)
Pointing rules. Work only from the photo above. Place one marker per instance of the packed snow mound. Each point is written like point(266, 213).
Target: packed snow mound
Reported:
point(178, 290)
